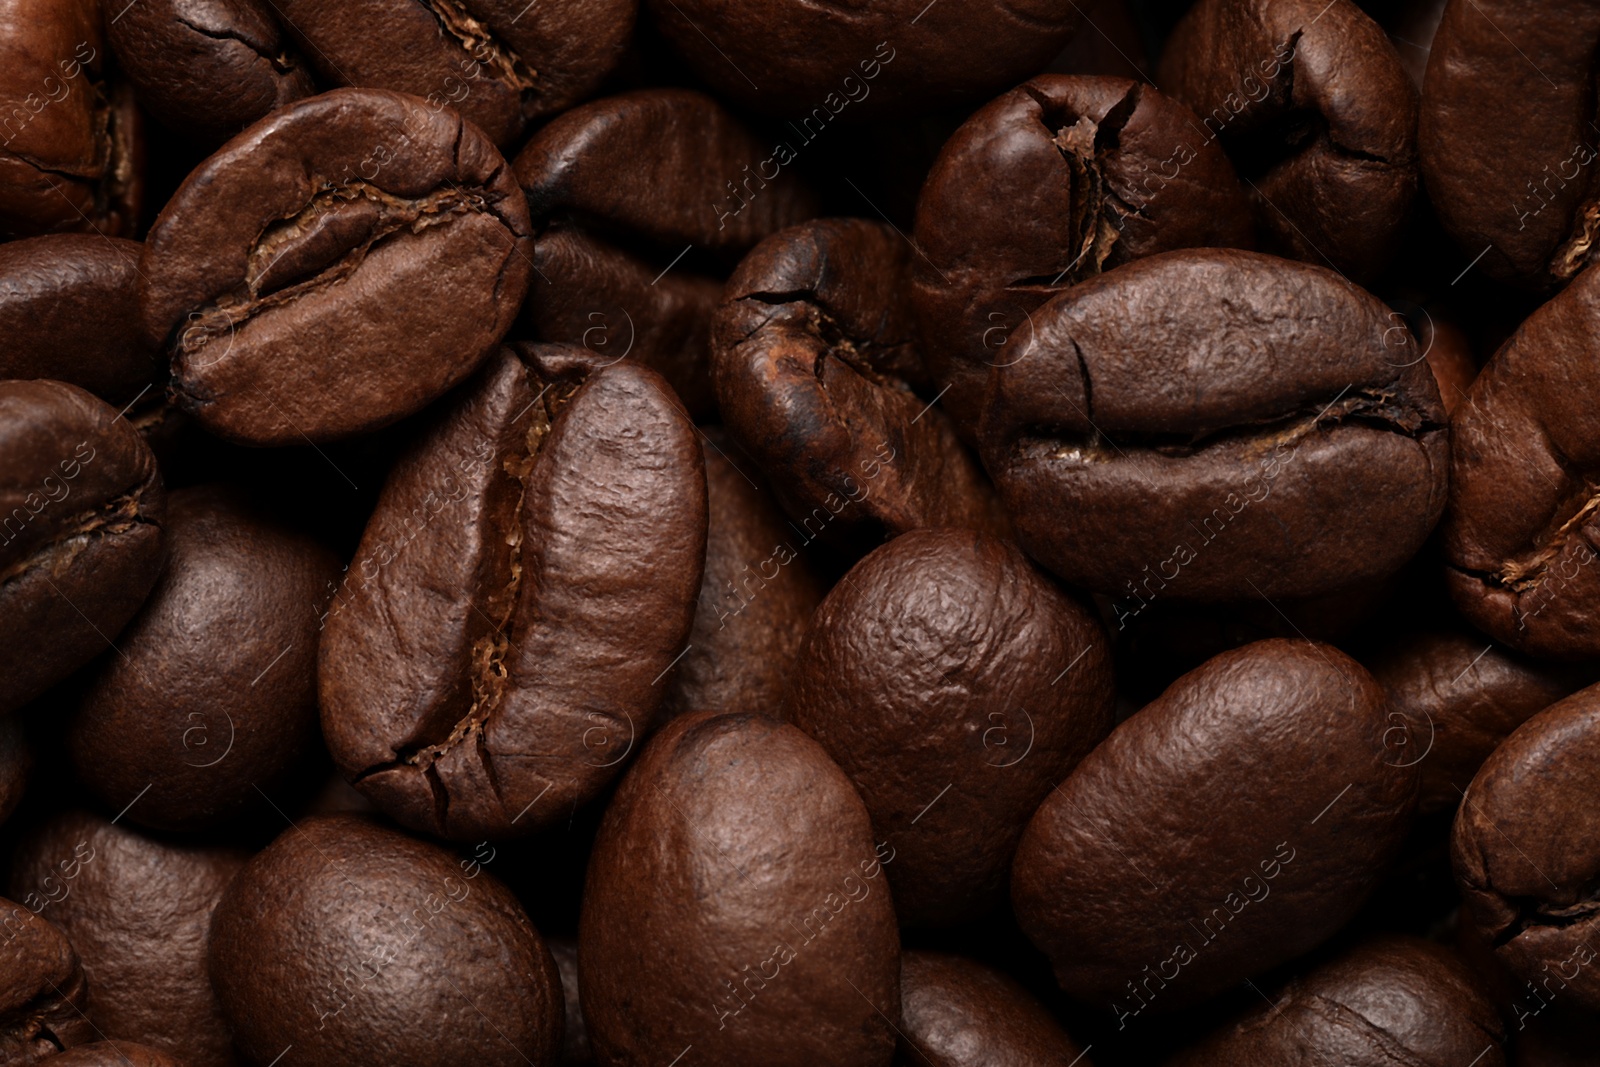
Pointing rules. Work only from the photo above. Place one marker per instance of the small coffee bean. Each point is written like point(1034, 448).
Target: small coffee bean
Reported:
point(958, 1013)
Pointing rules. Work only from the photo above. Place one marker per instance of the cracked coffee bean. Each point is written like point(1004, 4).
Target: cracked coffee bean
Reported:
point(496, 650)
point(1045, 186)
point(1526, 851)
point(335, 267)
point(1390, 1001)
point(113, 1054)
point(955, 685)
point(1521, 530)
point(612, 233)
point(348, 942)
point(1258, 428)
point(138, 911)
point(1268, 803)
point(957, 1013)
point(735, 902)
point(208, 68)
point(1313, 105)
point(80, 532)
point(41, 989)
point(816, 364)
point(501, 63)
point(213, 695)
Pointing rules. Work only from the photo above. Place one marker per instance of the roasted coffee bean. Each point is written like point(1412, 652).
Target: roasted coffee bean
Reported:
point(1526, 850)
point(1313, 105)
point(1257, 428)
point(41, 989)
point(1521, 531)
point(80, 535)
point(338, 265)
point(575, 1050)
point(1508, 143)
point(1047, 185)
point(957, 1013)
point(16, 763)
point(113, 1054)
point(1392, 1000)
point(816, 64)
point(348, 942)
point(500, 63)
point(207, 67)
point(955, 685)
point(815, 360)
point(1267, 803)
point(70, 143)
point(756, 595)
point(69, 310)
point(213, 694)
point(621, 190)
point(138, 911)
point(497, 647)
point(734, 902)
point(1455, 697)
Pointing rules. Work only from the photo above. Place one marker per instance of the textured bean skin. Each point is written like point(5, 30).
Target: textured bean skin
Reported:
point(957, 1013)
point(41, 989)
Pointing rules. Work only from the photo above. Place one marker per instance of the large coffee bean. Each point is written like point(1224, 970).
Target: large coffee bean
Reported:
point(41, 989)
point(957, 1013)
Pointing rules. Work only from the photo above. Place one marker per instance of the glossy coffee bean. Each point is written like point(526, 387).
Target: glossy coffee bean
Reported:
point(1268, 804)
point(214, 693)
point(756, 595)
point(207, 67)
point(501, 63)
point(816, 65)
point(1520, 533)
point(735, 903)
point(1313, 105)
point(816, 361)
point(80, 531)
point(338, 265)
point(1526, 851)
point(16, 764)
point(497, 648)
point(1391, 1000)
point(1044, 186)
point(1507, 146)
point(1455, 697)
point(69, 308)
point(956, 685)
point(621, 190)
point(41, 989)
point(70, 141)
point(113, 1054)
point(138, 911)
point(957, 1013)
point(1180, 453)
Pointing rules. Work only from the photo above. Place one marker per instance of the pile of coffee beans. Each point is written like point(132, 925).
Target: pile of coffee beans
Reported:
point(799, 533)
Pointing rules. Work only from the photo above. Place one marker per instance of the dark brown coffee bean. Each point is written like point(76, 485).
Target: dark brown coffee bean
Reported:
point(138, 911)
point(957, 1013)
point(1266, 807)
point(41, 989)
point(529, 575)
point(756, 596)
point(575, 1050)
point(1456, 697)
point(69, 308)
point(70, 143)
point(955, 685)
point(816, 64)
point(207, 67)
point(1390, 1001)
point(734, 903)
point(336, 266)
point(348, 942)
point(113, 1054)
point(1526, 850)
point(1507, 142)
point(1182, 453)
point(500, 63)
point(1312, 103)
point(1043, 187)
point(1521, 531)
point(815, 359)
point(80, 534)
point(621, 190)
point(16, 763)
point(214, 694)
